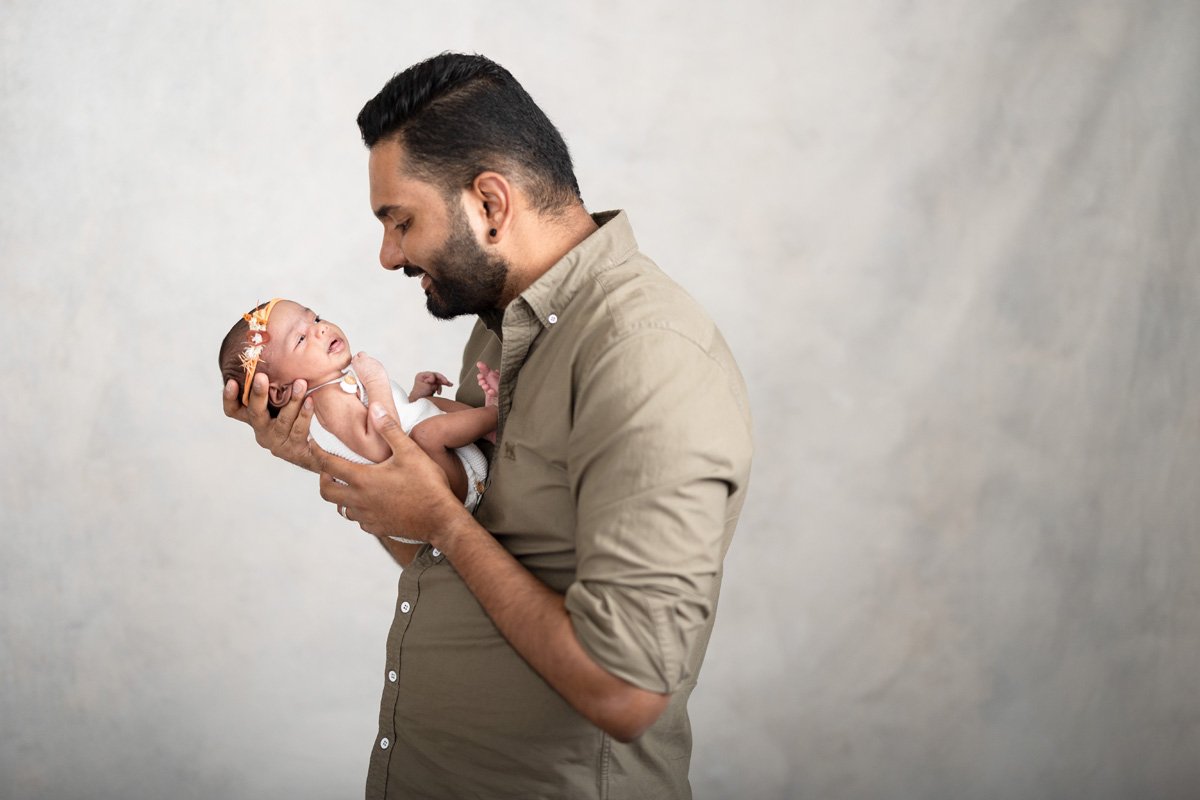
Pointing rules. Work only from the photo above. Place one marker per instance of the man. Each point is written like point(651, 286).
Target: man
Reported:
point(547, 646)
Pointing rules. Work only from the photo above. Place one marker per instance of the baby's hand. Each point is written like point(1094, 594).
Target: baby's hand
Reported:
point(427, 384)
point(489, 381)
point(368, 369)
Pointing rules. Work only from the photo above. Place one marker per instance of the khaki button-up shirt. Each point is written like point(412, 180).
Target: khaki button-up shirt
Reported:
point(621, 463)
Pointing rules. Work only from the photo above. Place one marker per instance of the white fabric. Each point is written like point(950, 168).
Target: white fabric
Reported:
point(411, 413)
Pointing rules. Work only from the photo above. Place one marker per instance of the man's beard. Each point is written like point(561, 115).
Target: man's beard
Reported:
point(468, 281)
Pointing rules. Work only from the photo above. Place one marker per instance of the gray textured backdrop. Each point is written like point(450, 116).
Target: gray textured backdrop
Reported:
point(954, 245)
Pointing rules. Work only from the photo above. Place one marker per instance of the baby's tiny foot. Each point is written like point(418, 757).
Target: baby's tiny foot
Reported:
point(489, 381)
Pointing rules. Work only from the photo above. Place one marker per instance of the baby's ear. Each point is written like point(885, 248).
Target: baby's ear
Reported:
point(279, 394)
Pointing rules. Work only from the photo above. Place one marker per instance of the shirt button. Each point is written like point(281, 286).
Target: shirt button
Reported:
point(392, 675)
point(436, 552)
point(405, 607)
point(553, 318)
point(383, 743)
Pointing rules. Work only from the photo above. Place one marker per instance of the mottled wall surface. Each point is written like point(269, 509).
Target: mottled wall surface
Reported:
point(954, 246)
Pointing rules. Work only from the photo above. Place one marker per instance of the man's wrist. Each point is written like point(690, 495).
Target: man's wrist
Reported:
point(309, 464)
point(457, 528)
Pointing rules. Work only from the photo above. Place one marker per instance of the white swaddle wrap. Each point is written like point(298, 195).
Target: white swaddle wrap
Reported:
point(411, 413)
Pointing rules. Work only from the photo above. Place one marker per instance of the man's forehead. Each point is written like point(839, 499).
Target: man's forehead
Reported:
point(394, 188)
point(388, 165)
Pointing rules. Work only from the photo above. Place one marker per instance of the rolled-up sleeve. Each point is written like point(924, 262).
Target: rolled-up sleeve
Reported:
point(660, 444)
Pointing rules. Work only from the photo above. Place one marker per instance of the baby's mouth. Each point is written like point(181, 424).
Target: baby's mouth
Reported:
point(335, 345)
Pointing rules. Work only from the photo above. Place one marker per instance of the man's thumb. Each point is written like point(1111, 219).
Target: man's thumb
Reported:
point(387, 427)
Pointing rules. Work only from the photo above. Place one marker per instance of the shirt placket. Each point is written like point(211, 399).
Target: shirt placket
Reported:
point(520, 329)
point(407, 597)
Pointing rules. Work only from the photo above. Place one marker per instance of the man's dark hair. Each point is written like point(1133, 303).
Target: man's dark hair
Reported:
point(458, 115)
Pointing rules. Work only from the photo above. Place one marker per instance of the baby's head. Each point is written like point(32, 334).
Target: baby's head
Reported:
point(286, 341)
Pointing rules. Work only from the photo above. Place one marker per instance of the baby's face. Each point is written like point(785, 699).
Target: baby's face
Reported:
point(303, 345)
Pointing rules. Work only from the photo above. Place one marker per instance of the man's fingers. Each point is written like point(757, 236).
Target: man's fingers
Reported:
point(318, 463)
point(320, 454)
point(232, 403)
point(335, 467)
point(387, 427)
point(333, 491)
point(288, 414)
point(257, 404)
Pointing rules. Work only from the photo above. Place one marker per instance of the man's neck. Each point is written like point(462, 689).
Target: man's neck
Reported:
point(543, 244)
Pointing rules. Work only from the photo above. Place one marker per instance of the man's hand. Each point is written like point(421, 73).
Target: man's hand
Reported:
point(286, 436)
point(408, 495)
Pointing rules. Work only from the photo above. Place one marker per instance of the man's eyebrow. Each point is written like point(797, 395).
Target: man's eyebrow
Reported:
point(383, 211)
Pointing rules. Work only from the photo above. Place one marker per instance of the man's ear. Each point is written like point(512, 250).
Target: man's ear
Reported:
point(491, 204)
point(279, 394)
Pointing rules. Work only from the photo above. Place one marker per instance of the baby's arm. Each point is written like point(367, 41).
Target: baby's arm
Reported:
point(345, 416)
point(427, 384)
point(375, 379)
point(462, 424)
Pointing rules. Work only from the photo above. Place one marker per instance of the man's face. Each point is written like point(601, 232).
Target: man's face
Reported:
point(425, 235)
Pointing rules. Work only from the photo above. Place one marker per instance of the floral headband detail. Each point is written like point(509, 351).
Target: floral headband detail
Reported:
point(256, 339)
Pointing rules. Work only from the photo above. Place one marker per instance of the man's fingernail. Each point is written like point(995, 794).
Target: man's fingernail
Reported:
point(308, 404)
point(378, 411)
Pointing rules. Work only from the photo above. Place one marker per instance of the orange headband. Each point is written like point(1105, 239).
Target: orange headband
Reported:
point(256, 339)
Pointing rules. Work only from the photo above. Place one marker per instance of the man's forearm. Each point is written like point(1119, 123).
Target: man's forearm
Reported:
point(534, 619)
point(409, 494)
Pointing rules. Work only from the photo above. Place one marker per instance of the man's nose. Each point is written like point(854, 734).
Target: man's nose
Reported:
point(391, 257)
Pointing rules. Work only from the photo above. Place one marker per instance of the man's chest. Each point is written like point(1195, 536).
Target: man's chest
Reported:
point(529, 503)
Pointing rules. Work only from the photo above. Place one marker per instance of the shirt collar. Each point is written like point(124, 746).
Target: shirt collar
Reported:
point(611, 244)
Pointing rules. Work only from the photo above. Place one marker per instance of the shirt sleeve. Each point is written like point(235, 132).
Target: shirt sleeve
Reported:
point(660, 443)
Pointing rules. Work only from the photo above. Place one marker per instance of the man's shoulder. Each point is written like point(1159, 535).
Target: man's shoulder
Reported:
point(635, 312)
point(636, 295)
